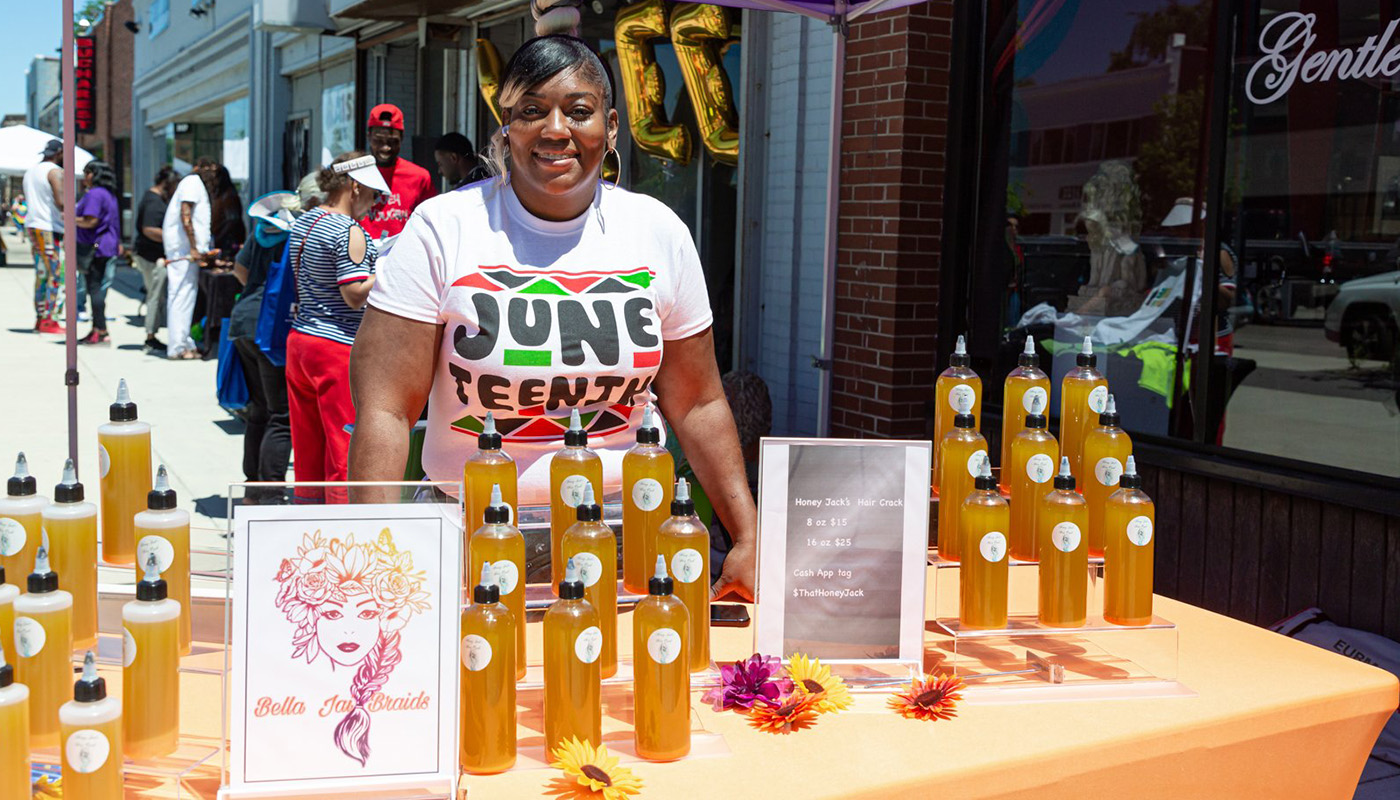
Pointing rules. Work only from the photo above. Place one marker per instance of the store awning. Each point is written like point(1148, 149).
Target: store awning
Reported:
point(407, 10)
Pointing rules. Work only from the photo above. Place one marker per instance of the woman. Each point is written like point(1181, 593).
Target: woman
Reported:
point(333, 261)
point(99, 241)
point(226, 215)
point(543, 291)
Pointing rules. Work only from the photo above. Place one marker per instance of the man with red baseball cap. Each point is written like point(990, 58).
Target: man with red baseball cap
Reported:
point(409, 184)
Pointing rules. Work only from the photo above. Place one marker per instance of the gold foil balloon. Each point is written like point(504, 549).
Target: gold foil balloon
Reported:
point(699, 31)
point(488, 75)
point(636, 27)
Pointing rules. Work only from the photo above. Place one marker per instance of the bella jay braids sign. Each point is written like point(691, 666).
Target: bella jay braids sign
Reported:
point(85, 85)
point(1287, 56)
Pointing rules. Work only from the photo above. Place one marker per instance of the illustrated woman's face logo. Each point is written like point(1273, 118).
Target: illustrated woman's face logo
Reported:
point(347, 630)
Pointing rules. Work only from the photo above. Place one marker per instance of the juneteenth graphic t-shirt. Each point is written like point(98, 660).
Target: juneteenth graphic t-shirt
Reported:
point(409, 185)
point(542, 317)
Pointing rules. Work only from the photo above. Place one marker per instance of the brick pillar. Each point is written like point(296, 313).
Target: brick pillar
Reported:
point(890, 236)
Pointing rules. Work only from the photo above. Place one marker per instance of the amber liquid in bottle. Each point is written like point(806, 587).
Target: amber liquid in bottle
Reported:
point(44, 649)
point(8, 594)
point(124, 462)
point(1064, 554)
point(1025, 387)
point(662, 691)
point(570, 470)
point(1130, 521)
point(684, 542)
point(488, 466)
point(963, 451)
point(151, 670)
point(592, 547)
point(1083, 396)
point(982, 573)
point(164, 530)
point(21, 523)
point(1033, 458)
point(647, 473)
point(573, 682)
point(1106, 451)
point(502, 544)
point(488, 671)
point(91, 733)
point(957, 391)
point(72, 527)
point(14, 733)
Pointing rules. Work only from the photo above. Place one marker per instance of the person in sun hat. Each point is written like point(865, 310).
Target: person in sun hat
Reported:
point(333, 259)
point(409, 184)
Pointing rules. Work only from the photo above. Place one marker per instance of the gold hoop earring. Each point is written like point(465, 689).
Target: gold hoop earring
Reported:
point(603, 168)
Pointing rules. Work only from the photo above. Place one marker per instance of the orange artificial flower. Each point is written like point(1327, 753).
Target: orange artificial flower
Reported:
point(929, 697)
point(792, 713)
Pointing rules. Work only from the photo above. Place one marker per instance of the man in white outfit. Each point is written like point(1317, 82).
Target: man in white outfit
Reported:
point(185, 232)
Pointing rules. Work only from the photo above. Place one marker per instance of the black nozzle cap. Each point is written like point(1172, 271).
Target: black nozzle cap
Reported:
point(1027, 360)
point(122, 412)
point(1085, 359)
point(682, 508)
point(2, 573)
point(576, 438)
point(42, 582)
point(160, 500)
point(488, 441)
point(1036, 421)
point(985, 483)
point(570, 590)
point(68, 493)
point(1111, 420)
point(485, 595)
point(22, 487)
point(90, 691)
point(964, 421)
point(1130, 481)
point(7, 674)
point(648, 436)
point(152, 591)
point(497, 515)
point(1064, 482)
point(589, 512)
point(660, 586)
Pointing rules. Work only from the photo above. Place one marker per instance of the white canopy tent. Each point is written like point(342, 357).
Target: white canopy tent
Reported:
point(21, 147)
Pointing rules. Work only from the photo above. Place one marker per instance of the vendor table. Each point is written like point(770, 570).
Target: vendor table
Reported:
point(1260, 715)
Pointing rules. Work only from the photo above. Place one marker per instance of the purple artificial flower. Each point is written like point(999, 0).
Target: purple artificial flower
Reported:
point(757, 679)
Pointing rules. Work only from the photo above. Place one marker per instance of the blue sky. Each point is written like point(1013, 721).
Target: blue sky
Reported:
point(31, 27)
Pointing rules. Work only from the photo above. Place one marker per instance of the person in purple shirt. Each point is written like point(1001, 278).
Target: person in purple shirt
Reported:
point(99, 241)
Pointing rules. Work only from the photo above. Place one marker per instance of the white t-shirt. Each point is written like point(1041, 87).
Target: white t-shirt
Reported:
point(177, 244)
point(542, 317)
point(43, 213)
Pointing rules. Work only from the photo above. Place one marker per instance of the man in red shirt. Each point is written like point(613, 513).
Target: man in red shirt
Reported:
point(409, 184)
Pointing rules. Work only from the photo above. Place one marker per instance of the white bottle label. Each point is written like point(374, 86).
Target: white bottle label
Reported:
point(87, 750)
point(1140, 530)
point(686, 565)
point(1108, 471)
point(962, 398)
point(993, 546)
point(664, 645)
point(974, 462)
point(1098, 399)
point(571, 490)
point(29, 636)
point(476, 652)
point(1034, 395)
point(590, 568)
point(1065, 537)
point(128, 648)
point(647, 494)
point(1040, 468)
point(12, 537)
point(104, 461)
point(589, 644)
point(507, 576)
point(161, 546)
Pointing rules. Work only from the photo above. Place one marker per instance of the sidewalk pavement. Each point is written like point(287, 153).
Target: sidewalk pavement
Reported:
point(200, 444)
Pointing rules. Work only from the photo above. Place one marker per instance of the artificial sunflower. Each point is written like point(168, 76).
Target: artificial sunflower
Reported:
point(596, 770)
point(929, 697)
point(47, 788)
point(793, 713)
point(810, 676)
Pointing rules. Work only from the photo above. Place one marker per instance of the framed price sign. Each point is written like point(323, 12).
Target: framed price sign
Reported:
point(842, 548)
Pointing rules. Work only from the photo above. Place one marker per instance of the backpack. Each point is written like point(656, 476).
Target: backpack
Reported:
point(278, 306)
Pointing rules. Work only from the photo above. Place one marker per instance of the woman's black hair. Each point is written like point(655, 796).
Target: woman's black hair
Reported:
point(543, 57)
point(102, 175)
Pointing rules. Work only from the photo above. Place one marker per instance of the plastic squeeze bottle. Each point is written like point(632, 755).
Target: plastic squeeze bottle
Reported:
point(1127, 561)
point(1025, 386)
point(573, 683)
point(1064, 555)
point(164, 530)
point(21, 519)
point(570, 470)
point(647, 473)
point(151, 668)
point(72, 527)
point(958, 391)
point(1032, 467)
point(982, 573)
point(502, 545)
point(8, 593)
point(662, 691)
point(44, 648)
point(684, 542)
point(124, 464)
point(92, 738)
point(1083, 396)
point(14, 734)
point(1106, 449)
point(488, 680)
point(592, 548)
point(962, 451)
point(489, 466)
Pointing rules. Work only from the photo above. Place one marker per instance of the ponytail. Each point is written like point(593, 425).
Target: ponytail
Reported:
point(352, 732)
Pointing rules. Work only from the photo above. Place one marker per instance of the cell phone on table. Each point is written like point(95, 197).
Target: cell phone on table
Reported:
point(729, 615)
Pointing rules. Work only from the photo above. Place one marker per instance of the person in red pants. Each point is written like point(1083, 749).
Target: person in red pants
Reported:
point(333, 260)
